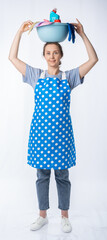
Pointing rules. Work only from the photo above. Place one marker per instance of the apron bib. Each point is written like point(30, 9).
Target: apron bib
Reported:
point(51, 141)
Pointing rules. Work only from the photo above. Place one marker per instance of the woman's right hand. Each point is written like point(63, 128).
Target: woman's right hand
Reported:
point(25, 26)
point(20, 65)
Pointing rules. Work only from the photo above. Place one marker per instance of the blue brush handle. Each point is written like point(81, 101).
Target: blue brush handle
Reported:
point(71, 32)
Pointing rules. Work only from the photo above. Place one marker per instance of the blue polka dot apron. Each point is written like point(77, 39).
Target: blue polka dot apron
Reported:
point(51, 141)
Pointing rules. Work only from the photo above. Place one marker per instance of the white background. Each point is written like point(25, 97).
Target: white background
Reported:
point(18, 199)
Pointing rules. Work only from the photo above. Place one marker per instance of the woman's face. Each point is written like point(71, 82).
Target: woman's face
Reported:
point(52, 55)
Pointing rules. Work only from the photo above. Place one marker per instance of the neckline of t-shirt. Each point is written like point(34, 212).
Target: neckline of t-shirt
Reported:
point(53, 75)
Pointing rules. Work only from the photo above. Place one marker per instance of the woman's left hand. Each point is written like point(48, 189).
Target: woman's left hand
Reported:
point(78, 27)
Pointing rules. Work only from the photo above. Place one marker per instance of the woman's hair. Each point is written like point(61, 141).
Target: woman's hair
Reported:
point(57, 44)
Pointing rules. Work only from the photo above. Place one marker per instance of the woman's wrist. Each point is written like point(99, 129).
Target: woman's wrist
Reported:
point(82, 35)
point(19, 32)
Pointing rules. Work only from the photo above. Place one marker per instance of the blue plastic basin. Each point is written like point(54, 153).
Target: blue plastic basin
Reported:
point(55, 32)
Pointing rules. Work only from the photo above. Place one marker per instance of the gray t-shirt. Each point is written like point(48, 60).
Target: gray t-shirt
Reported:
point(32, 75)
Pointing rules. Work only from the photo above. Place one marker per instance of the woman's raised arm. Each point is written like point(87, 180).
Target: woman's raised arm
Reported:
point(20, 65)
point(86, 67)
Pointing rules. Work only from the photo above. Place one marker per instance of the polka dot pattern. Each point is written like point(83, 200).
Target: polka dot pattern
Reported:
point(51, 140)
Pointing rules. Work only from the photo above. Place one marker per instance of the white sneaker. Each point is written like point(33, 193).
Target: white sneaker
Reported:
point(66, 225)
point(40, 221)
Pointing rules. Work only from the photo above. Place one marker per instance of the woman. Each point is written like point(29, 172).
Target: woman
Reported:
point(51, 140)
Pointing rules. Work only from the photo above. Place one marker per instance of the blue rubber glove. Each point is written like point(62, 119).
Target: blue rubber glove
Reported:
point(71, 32)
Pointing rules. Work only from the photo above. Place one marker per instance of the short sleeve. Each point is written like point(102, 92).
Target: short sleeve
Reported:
point(31, 75)
point(74, 78)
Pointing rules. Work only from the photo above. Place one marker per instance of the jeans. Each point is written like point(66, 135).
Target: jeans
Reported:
point(63, 188)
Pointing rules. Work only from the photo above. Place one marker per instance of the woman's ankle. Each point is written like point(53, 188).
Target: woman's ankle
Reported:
point(64, 213)
point(43, 213)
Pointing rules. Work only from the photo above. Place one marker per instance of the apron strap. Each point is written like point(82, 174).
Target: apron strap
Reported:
point(42, 74)
point(63, 75)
